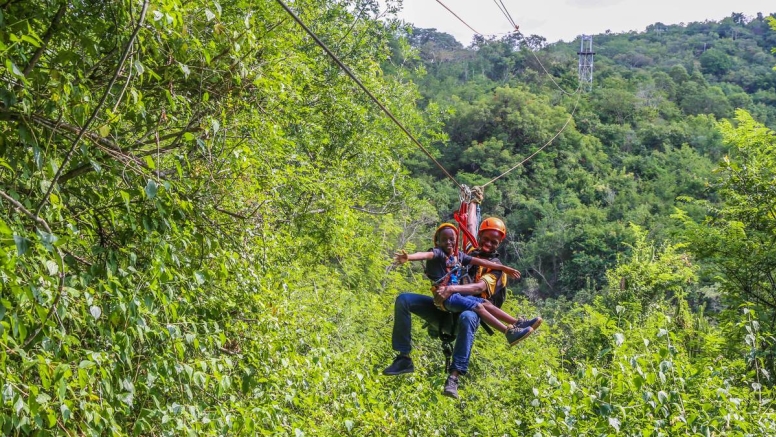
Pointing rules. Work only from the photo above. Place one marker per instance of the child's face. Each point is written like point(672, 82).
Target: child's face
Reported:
point(446, 240)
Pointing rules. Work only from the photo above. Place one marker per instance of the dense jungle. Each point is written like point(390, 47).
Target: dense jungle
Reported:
point(200, 208)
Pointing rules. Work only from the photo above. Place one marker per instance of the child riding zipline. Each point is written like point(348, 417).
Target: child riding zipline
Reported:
point(444, 265)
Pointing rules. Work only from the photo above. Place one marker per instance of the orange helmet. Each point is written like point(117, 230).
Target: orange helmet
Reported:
point(494, 224)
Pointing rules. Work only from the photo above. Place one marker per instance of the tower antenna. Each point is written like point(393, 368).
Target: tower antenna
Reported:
point(586, 62)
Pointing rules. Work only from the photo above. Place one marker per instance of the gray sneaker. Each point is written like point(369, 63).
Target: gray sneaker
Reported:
point(401, 364)
point(451, 387)
point(515, 334)
point(533, 323)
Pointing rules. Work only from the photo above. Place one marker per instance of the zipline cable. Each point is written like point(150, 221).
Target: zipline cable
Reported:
point(504, 10)
point(364, 88)
point(459, 18)
point(571, 116)
point(548, 73)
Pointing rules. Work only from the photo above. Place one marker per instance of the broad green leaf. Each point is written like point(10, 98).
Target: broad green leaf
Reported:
point(151, 189)
point(139, 68)
point(52, 267)
point(4, 229)
point(95, 311)
point(65, 412)
point(22, 244)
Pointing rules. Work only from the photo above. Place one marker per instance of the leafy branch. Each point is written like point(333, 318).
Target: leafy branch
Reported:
point(97, 108)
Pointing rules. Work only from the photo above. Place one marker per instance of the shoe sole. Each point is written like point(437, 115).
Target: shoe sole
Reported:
point(450, 395)
point(537, 324)
point(398, 373)
point(522, 338)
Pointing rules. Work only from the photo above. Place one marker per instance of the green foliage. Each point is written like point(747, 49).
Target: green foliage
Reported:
point(735, 238)
point(651, 274)
point(154, 208)
point(196, 235)
point(715, 62)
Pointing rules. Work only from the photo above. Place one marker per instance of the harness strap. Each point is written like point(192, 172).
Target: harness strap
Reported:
point(447, 350)
point(462, 218)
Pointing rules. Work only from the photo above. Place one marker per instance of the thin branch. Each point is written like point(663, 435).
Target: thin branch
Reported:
point(89, 74)
point(96, 109)
point(229, 213)
point(42, 223)
point(46, 38)
point(368, 211)
point(78, 258)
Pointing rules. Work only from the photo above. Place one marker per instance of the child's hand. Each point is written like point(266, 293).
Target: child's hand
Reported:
point(513, 273)
point(401, 257)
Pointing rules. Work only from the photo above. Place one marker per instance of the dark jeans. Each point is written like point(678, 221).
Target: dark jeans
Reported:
point(423, 306)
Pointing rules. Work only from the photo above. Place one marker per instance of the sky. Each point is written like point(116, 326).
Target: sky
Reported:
point(566, 19)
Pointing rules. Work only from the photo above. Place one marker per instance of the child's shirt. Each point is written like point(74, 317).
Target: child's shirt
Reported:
point(443, 267)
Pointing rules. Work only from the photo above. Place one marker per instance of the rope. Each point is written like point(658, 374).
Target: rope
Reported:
point(360, 84)
point(571, 116)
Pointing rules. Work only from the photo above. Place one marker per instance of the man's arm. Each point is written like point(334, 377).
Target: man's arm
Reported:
point(443, 292)
point(478, 193)
point(513, 273)
point(472, 224)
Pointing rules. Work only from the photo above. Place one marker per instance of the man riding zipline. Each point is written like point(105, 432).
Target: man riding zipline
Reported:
point(482, 282)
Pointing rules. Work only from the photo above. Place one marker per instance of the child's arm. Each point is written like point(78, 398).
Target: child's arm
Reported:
point(513, 273)
point(402, 257)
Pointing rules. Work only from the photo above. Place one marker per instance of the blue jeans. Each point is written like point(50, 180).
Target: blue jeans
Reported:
point(458, 303)
point(423, 307)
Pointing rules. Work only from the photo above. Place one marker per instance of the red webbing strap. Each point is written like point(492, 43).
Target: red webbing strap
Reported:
point(462, 218)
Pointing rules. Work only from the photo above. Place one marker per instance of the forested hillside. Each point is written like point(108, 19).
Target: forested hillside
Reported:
point(199, 208)
point(643, 136)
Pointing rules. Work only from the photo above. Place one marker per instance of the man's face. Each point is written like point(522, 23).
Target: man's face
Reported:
point(489, 240)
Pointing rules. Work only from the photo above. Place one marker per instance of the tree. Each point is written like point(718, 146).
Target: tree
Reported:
point(716, 62)
point(737, 239)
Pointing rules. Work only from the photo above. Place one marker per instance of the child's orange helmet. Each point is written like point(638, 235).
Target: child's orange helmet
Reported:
point(446, 226)
point(494, 224)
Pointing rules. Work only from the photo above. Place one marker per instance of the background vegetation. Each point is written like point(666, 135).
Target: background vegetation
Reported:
point(199, 207)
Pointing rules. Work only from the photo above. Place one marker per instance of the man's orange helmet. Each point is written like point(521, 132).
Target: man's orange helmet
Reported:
point(494, 224)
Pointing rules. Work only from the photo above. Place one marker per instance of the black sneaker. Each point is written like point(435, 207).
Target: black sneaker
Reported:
point(533, 323)
point(401, 364)
point(451, 387)
point(515, 334)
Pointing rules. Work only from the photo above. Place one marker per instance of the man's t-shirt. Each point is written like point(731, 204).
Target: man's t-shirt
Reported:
point(494, 279)
point(442, 266)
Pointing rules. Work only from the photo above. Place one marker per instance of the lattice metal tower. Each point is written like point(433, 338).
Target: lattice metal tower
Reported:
point(586, 62)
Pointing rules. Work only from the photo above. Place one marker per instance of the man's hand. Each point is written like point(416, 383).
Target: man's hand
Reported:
point(401, 257)
point(512, 273)
point(478, 193)
point(440, 295)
